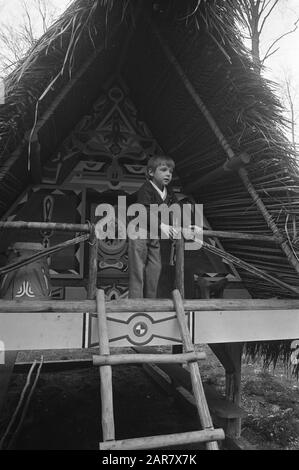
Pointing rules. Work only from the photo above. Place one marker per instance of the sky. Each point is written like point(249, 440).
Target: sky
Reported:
point(287, 57)
point(11, 10)
point(284, 62)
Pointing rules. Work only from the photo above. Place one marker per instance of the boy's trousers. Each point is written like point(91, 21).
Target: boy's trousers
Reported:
point(144, 268)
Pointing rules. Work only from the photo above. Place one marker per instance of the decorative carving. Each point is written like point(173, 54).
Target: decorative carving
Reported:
point(30, 281)
point(25, 290)
point(115, 289)
point(48, 206)
point(108, 150)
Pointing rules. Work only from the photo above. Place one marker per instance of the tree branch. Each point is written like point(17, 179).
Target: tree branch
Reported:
point(267, 15)
point(267, 54)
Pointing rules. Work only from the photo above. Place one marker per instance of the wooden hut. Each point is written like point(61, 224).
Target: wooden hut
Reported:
point(111, 83)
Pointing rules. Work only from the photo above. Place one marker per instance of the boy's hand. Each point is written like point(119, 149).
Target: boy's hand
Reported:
point(169, 231)
point(192, 232)
point(196, 229)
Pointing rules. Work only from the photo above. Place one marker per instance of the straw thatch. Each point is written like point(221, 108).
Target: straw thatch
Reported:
point(86, 44)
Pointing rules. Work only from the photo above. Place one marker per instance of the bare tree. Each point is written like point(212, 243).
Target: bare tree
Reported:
point(255, 14)
point(289, 95)
point(15, 40)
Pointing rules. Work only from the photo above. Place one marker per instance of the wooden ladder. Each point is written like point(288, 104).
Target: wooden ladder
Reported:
point(207, 435)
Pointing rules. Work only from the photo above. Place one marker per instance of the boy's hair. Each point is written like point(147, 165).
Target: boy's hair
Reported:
point(157, 160)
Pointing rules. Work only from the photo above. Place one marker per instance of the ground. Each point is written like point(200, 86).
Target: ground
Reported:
point(65, 409)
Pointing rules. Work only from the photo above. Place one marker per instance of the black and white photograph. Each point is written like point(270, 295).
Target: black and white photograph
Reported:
point(149, 228)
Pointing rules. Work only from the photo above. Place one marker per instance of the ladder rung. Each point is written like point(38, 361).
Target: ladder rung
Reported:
point(154, 442)
point(118, 359)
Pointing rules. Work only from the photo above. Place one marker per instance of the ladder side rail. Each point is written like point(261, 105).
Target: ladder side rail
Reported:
point(198, 391)
point(108, 426)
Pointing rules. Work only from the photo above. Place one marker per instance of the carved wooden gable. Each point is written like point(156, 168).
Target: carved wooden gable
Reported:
point(107, 150)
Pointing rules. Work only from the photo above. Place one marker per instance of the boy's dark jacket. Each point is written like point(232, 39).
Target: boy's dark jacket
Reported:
point(148, 195)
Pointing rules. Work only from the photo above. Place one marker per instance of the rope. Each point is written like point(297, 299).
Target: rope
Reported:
point(248, 267)
point(27, 403)
point(22, 397)
point(41, 254)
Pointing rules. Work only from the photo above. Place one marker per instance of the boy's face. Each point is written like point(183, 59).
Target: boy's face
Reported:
point(162, 175)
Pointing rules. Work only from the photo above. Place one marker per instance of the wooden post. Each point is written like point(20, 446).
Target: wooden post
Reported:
point(180, 266)
point(230, 356)
point(198, 391)
point(7, 362)
point(93, 265)
point(233, 385)
point(92, 275)
point(105, 371)
point(179, 278)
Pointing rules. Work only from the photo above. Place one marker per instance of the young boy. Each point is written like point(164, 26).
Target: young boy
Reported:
point(145, 254)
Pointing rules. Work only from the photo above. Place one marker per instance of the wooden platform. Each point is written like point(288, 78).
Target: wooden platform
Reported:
point(64, 325)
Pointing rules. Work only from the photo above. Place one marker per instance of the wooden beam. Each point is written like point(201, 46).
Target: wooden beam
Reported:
point(151, 305)
point(59, 331)
point(229, 166)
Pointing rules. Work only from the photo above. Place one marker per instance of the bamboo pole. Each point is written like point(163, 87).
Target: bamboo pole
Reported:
point(155, 442)
point(283, 242)
point(85, 228)
point(229, 166)
point(144, 305)
point(119, 359)
point(93, 265)
point(105, 371)
point(239, 236)
point(228, 150)
point(198, 391)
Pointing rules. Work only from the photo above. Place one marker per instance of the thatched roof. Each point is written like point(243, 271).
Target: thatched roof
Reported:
point(61, 77)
